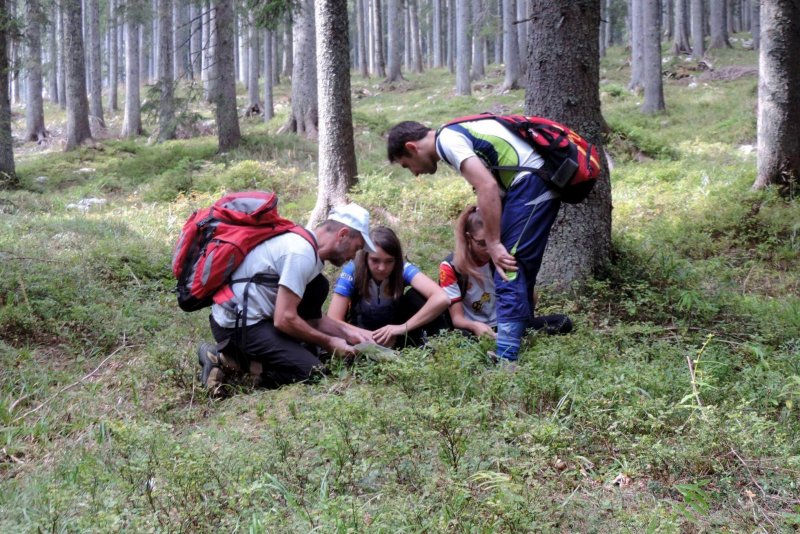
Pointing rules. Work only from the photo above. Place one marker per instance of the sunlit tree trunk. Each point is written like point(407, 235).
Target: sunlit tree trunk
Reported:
point(228, 132)
point(438, 58)
point(637, 44)
point(337, 156)
point(34, 105)
point(269, 67)
point(463, 48)
point(252, 62)
point(779, 96)
point(132, 120)
point(563, 46)
point(653, 87)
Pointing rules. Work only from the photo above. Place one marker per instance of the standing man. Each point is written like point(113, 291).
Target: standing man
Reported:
point(269, 324)
point(517, 207)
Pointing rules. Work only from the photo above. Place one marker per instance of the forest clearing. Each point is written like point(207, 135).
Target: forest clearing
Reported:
point(674, 406)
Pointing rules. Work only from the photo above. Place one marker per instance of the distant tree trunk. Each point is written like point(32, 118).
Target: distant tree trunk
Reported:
point(719, 25)
point(698, 29)
point(206, 55)
point(113, 56)
point(196, 40)
point(8, 174)
point(62, 68)
point(637, 44)
point(243, 62)
point(269, 65)
point(522, 35)
point(563, 46)
point(276, 79)
point(337, 155)
point(34, 106)
point(53, 65)
point(377, 38)
point(510, 46)
point(287, 66)
point(78, 129)
point(394, 27)
point(463, 48)
point(609, 25)
point(451, 36)
point(166, 105)
point(779, 96)
point(497, 14)
point(304, 116)
point(755, 23)
point(416, 46)
point(227, 116)
point(680, 41)
point(361, 39)
point(253, 96)
point(478, 40)
point(603, 28)
point(179, 41)
point(438, 58)
point(132, 120)
point(96, 89)
point(653, 87)
point(667, 23)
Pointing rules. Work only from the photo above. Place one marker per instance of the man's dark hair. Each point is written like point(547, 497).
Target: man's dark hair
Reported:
point(401, 134)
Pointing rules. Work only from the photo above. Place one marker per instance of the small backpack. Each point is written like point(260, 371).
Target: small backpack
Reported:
point(214, 241)
point(572, 163)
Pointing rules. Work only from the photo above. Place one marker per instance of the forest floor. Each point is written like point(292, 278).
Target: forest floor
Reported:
point(673, 407)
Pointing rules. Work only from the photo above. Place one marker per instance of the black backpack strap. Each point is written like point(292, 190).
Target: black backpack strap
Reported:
point(240, 327)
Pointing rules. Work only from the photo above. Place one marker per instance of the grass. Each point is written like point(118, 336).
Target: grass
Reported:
point(673, 407)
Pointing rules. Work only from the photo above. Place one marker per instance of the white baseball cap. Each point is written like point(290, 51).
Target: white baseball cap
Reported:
point(355, 217)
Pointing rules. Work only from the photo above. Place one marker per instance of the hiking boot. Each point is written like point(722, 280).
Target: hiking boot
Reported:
point(211, 375)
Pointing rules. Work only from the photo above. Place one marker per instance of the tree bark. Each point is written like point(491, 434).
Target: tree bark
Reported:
point(96, 89)
point(34, 105)
point(377, 39)
point(653, 87)
point(755, 23)
point(463, 51)
point(510, 46)
point(522, 35)
point(416, 46)
point(166, 82)
point(113, 56)
point(253, 93)
point(8, 174)
point(719, 25)
point(78, 129)
point(563, 46)
point(269, 66)
point(637, 45)
point(779, 96)
point(337, 156)
point(228, 132)
point(451, 36)
point(393, 29)
point(680, 40)
point(195, 41)
point(53, 66)
point(132, 120)
point(361, 38)
point(62, 67)
point(304, 115)
point(438, 58)
point(478, 40)
point(179, 41)
point(698, 30)
point(287, 66)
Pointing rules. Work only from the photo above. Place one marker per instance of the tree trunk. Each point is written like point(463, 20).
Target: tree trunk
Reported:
point(8, 174)
point(438, 58)
point(667, 21)
point(212, 76)
point(287, 66)
point(34, 106)
point(206, 54)
point(96, 89)
point(361, 38)
point(393, 29)
point(698, 30)
point(653, 88)
point(377, 39)
point(478, 40)
point(166, 82)
point(522, 35)
point(451, 36)
point(779, 96)
point(609, 25)
point(498, 34)
point(78, 129)
point(132, 120)
point(179, 41)
point(719, 25)
point(304, 115)
point(113, 56)
point(462, 48)
point(269, 66)
point(510, 46)
point(227, 117)
point(276, 78)
point(680, 41)
point(755, 23)
point(637, 45)
point(62, 67)
point(337, 155)
point(195, 41)
point(253, 93)
point(416, 46)
point(563, 46)
point(53, 65)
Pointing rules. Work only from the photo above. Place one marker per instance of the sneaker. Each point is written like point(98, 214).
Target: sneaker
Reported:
point(208, 357)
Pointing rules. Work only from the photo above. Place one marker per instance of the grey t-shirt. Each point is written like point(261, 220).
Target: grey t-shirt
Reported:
point(290, 257)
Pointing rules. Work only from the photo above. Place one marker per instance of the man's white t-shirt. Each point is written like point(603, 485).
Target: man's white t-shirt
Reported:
point(289, 256)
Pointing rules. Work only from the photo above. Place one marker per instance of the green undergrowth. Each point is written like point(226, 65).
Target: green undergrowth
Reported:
point(673, 407)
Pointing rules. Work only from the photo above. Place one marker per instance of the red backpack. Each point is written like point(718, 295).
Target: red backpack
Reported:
point(214, 241)
point(572, 162)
